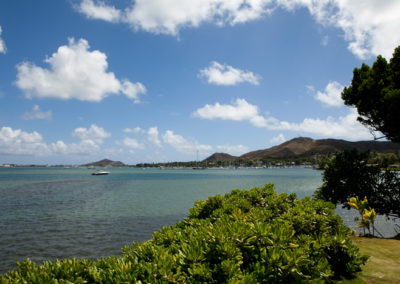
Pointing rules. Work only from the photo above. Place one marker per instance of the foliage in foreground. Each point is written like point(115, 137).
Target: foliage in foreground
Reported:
point(245, 236)
point(348, 174)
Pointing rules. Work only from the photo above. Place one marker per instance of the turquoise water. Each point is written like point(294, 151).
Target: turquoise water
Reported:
point(57, 213)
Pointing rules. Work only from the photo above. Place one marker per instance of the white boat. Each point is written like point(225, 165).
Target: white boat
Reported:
point(100, 173)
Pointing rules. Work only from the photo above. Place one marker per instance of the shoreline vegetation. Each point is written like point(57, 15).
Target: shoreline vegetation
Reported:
point(301, 151)
point(247, 236)
point(289, 163)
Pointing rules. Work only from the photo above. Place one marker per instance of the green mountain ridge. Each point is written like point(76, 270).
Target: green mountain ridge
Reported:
point(105, 163)
point(308, 147)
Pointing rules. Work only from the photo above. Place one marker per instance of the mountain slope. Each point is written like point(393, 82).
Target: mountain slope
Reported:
point(105, 163)
point(307, 147)
point(220, 157)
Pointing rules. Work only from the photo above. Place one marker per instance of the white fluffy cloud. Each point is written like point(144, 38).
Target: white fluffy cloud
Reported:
point(222, 74)
point(331, 97)
point(178, 142)
point(278, 139)
point(344, 127)
point(84, 147)
point(183, 145)
point(132, 143)
point(371, 27)
point(152, 136)
point(75, 73)
point(18, 142)
point(99, 11)
point(169, 16)
point(241, 110)
point(93, 133)
point(2, 44)
point(36, 113)
point(133, 90)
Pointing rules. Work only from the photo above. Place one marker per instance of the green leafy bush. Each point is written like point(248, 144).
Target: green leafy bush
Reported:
point(254, 236)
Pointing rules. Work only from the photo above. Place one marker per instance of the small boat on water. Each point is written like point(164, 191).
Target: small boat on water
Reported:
point(100, 173)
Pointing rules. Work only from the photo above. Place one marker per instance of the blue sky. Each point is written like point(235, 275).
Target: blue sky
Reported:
point(163, 80)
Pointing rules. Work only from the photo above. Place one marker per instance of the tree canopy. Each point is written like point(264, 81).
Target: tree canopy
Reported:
point(375, 92)
point(348, 174)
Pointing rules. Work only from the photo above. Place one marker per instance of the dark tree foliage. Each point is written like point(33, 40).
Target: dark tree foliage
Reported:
point(375, 92)
point(348, 174)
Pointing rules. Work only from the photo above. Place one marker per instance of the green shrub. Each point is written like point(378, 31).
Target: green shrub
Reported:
point(245, 236)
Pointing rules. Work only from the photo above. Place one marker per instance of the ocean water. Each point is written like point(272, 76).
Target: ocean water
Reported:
point(57, 213)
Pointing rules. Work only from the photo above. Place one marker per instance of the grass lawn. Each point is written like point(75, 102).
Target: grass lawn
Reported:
point(383, 265)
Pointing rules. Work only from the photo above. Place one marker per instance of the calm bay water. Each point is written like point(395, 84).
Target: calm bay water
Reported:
point(57, 213)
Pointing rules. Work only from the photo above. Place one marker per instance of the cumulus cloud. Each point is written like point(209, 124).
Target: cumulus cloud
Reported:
point(84, 147)
point(2, 44)
point(183, 145)
point(152, 136)
point(169, 16)
point(36, 113)
point(18, 142)
point(331, 97)
point(240, 110)
point(370, 26)
point(278, 139)
point(132, 143)
point(93, 133)
point(75, 73)
point(235, 150)
point(222, 74)
point(99, 10)
point(90, 140)
point(344, 127)
point(133, 90)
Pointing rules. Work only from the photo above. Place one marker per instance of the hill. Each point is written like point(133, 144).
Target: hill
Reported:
point(220, 157)
point(308, 147)
point(105, 163)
